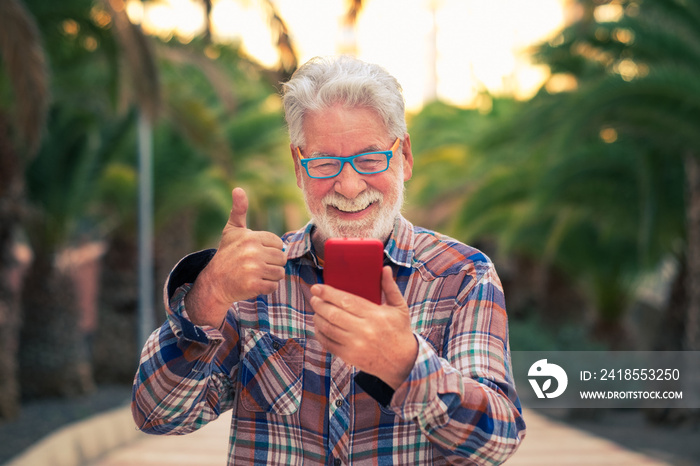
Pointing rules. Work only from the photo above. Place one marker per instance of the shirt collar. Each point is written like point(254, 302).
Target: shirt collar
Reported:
point(299, 242)
point(398, 248)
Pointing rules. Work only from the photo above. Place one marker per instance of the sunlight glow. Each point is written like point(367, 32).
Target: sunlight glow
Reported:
point(609, 12)
point(478, 45)
point(608, 135)
point(242, 23)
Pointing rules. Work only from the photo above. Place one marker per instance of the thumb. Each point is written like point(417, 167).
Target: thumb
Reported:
point(391, 290)
point(239, 208)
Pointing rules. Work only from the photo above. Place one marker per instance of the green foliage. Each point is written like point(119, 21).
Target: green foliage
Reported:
point(221, 125)
point(63, 179)
point(589, 181)
point(83, 55)
point(446, 165)
point(532, 334)
point(83, 132)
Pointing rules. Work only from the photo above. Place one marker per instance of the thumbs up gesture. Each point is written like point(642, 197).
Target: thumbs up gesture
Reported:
point(247, 264)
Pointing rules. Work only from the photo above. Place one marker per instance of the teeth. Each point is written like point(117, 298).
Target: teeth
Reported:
point(358, 204)
point(351, 210)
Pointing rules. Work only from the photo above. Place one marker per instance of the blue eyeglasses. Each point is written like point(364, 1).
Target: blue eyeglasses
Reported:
point(368, 163)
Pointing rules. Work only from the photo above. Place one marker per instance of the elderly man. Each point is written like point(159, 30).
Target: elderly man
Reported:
point(315, 375)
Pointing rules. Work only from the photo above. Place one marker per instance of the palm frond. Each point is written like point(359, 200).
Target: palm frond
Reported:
point(139, 58)
point(24, 61)
point(288, 60)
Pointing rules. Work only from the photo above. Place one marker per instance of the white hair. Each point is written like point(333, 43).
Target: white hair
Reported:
point(323, 82)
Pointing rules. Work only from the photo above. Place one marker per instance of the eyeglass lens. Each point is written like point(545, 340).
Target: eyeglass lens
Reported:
point(365, 164)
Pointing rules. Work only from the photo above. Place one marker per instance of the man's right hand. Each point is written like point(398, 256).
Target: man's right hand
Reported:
point(247, 264)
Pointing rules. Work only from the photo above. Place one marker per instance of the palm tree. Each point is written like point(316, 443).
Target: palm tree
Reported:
point(218, 128)
point(61, 181)
point(24, 76)
point(590, 181)
point(636, 104)
point(86, 42)
point(646, 91)
point(599, 213)
point(288, 60)
point(83, 132)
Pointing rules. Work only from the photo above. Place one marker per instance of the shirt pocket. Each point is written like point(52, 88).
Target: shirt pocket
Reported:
point(271, 373)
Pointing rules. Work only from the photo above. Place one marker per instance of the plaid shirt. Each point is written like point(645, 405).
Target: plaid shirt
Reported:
point(295, 403)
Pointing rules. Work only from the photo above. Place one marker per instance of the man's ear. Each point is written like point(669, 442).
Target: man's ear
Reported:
point(297, 165)
point(407, 157)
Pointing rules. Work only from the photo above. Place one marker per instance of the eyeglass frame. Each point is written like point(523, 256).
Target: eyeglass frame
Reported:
point(350, 159)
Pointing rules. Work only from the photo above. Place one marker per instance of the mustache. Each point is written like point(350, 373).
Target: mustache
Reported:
point(360, 202)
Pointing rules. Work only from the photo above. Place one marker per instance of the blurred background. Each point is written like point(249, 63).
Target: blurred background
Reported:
point(559, 136)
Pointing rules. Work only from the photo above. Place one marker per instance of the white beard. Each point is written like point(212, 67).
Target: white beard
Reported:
point(379, 226)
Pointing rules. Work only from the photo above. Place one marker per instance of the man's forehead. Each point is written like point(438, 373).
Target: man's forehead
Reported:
point(361, 117)
point(370, 148)
point(345, 131)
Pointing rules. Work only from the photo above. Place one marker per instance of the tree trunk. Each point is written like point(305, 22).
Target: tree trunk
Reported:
point(10, 279)
point(692, 321)
point(53, 358)
point(115, 347)
point(10, 274)
point(670, 331)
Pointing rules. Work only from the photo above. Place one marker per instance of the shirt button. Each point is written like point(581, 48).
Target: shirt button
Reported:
point(275, 345)
point(338, 403)
point(337, 462)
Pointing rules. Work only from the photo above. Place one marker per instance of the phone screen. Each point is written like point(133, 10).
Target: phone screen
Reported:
point(355, 265)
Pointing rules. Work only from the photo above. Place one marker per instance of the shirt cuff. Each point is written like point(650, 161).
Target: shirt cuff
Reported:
point(187, 271)
point(182, 326)
point(418, 397)
point(375, 387)
point(178, 285)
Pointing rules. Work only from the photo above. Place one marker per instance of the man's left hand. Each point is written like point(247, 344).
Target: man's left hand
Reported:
point(376, 339)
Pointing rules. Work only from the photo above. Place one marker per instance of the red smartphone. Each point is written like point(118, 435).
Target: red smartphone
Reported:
point(355, 265)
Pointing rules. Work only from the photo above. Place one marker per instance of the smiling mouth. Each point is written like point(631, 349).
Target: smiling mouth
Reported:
point(357, 205)
point(353, 210)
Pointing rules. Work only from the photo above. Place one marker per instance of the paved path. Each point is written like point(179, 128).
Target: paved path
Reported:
point(547, 443)
point(552, 443)
point(207, 446)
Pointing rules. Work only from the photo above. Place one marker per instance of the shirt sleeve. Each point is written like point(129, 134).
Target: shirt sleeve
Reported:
point(465, 401)
point(184, 376)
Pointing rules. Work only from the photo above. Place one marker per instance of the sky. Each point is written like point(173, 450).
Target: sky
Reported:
point(449, 49)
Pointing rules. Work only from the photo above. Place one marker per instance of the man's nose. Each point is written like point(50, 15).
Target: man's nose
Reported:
point(349, 183)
